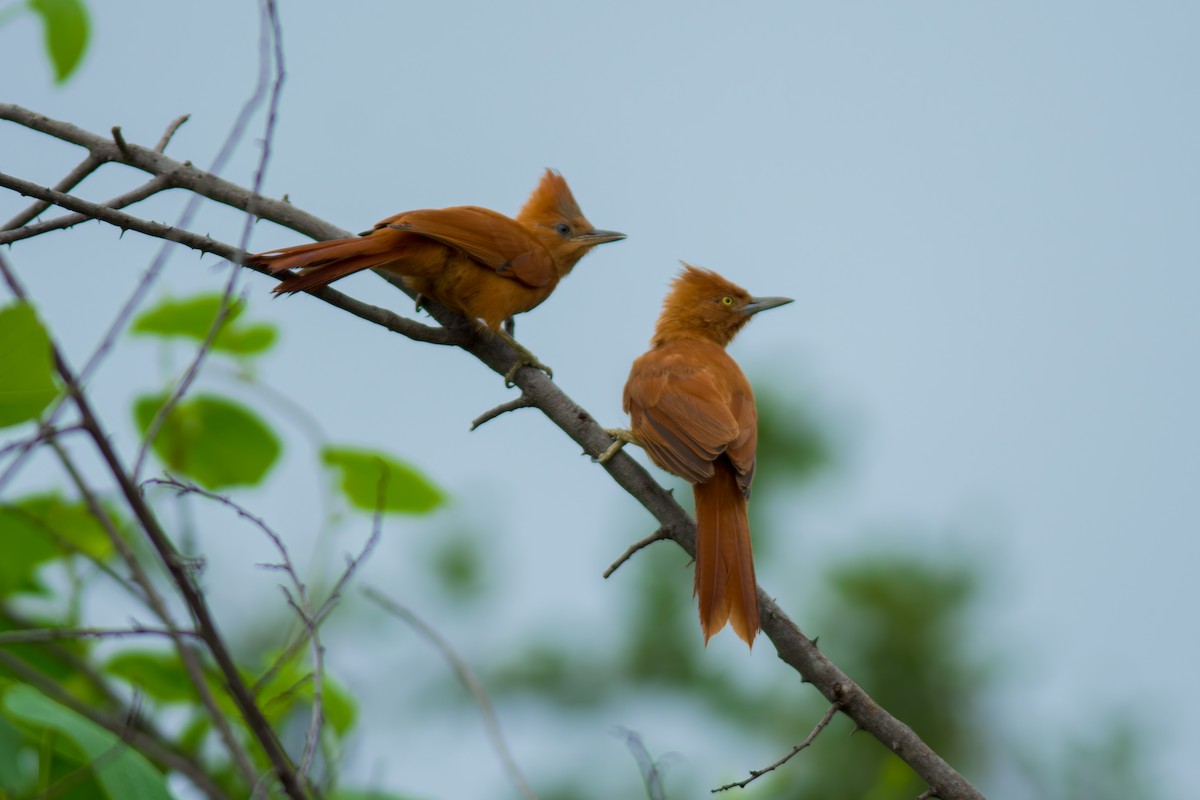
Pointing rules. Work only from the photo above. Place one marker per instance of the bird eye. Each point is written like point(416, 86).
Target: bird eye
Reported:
point(563, 229)
point(727, 300)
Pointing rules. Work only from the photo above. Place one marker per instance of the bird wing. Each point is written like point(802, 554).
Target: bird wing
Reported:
point(686, 412)
point(487, 236)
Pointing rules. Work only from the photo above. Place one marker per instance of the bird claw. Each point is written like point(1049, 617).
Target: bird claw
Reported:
point(527, 359)
point(622, 437)
point(524, 359)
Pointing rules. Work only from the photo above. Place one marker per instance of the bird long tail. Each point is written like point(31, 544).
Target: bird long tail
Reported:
point(321, 263)
point(725, 580)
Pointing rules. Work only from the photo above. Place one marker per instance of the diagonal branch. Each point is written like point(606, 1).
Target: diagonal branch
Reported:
point(755, 774)
point(792, 646)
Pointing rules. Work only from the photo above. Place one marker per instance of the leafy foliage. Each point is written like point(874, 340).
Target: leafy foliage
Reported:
point(26, 369)
point(193, 318)
point(121, 771)
point(41, 528)
point(215, 441)
point(376, 481)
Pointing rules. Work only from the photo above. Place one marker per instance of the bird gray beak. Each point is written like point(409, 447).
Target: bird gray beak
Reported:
point(600, 237)
point(758, 304)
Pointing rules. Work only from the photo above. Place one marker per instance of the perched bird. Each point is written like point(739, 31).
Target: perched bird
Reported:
point(472, 260)
point(693, 411)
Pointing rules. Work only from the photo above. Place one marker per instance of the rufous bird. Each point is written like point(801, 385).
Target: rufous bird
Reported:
point(692, 409)
point(472, 260)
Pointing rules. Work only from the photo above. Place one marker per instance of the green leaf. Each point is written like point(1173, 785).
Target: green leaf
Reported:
point(193, 318)
point(41, 528)
point(364, 473)
point(160, 675)
point(66, 25)
point(26, 366)
point(121, 771)
point(215, 441)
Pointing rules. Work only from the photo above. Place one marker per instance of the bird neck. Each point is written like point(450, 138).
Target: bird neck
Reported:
point(671, 329)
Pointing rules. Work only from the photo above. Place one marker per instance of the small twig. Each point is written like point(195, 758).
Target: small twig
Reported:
point(73, 178)
point(44, 434)
point(658, 535)
point(512, 405)
point(119, 139)
point(652, 773)
point(56, 634)
point(465, 676)
point(757, 773)
point(170, 132)
point(335, 594)
point(928, 793)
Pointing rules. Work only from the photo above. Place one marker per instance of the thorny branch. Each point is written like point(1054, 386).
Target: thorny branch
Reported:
point(755, 774)
point(792, 646)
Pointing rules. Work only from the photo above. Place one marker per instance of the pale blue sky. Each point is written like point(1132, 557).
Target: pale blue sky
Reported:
point(988, 216)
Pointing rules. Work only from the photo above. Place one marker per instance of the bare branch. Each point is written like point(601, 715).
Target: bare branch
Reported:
point(755, 774)
point(73, 178)
point(503, 408)
point(466, 677)
point(151, 187)
point(31, 635)
point(170, 132)
point(657, 536)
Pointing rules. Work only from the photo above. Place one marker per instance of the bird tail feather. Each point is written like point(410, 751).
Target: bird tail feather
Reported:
point(725, 580)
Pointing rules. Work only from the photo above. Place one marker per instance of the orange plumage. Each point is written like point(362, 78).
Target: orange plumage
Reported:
point(472, 260)
point(692, 409)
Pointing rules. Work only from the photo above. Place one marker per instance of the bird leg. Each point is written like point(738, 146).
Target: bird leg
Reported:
point(524, 359)
point(623, 436)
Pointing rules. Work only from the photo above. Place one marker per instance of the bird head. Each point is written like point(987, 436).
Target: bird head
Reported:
point(703, 304)
point(556, 220)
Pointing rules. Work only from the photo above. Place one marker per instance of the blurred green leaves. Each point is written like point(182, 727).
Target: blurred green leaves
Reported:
point(193, 318)
point(375, 481)
point(215, 441)
point(26, 367)
point(67, 31)
point(40, 528)
point(120, 770)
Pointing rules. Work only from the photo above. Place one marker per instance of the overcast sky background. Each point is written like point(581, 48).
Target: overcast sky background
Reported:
point(988, 216)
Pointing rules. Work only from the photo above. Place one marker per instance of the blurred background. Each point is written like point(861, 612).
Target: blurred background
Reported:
point(979, 456)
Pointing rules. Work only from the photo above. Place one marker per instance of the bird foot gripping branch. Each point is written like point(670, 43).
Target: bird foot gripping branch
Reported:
point(623, 436)
point(524, 359)
point(472, 260)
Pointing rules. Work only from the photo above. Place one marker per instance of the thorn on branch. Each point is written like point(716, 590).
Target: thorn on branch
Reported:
point(512, 405)
point(661, 533)
point(119, 139)
point(928, 793)
point(757, 773)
